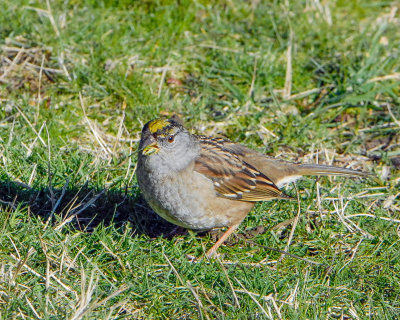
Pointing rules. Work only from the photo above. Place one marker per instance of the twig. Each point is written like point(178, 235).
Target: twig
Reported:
point(267, 314)
point(51, 18)
point(21, 263)
point(393, 76)
point(120, 128)
point(39, 89)
point(72, 215)
point(30, 148)
point(12, 64)
point(306, 93)
point(42, 277)
point(196, 296)
point(96, 135)
point(86, 295)
point(52, 70)
point(343, 218)
point(296, 220)
point(392, 115)
point(287, 253)
point(33, 309)
point(52, 197)
point(30, 124)
point(164, 73)
point(189, 286)
point(253, 79)
point(352, 256)
point(288, 78)
point(235, 298)
point(372, 216)
point(9, 203)
point(64, 188)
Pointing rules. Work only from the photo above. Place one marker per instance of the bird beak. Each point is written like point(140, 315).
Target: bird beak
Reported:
point(152, 148)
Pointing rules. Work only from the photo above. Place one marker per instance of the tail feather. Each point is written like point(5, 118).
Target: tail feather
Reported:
point(283, 172)
point(300, 170)
point(317, 169)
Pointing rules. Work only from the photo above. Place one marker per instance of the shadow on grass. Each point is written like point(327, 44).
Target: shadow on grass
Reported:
point(85, 208)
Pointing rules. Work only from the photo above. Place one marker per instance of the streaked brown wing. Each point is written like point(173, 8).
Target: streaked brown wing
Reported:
point(233, 178)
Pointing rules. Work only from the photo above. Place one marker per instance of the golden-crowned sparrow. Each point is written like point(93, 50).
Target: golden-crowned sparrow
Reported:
point(201, 183)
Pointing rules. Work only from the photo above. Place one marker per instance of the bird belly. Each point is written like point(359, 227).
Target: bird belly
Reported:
point(191, 202)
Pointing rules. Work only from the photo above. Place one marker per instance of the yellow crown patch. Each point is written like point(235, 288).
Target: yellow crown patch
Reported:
point(158, 124)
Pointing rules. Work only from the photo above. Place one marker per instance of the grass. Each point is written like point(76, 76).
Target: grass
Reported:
point(306, 81)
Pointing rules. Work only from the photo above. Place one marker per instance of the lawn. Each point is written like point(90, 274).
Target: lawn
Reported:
point(306, 81)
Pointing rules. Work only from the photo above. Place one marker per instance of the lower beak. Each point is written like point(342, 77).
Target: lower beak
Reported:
point(151, 149)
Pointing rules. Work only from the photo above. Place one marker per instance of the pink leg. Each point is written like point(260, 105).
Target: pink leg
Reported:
point(211, 252)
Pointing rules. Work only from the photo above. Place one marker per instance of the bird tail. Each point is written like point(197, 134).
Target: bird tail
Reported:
point(318, 169)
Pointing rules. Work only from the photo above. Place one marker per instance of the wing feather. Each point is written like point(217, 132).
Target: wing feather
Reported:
point(233, 178)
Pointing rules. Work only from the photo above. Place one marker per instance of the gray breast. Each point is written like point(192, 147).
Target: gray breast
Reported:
point(183, 199)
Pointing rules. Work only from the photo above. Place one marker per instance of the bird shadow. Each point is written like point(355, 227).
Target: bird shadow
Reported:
point(85, 207)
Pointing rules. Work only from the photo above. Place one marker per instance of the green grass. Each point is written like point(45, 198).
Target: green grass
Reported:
point(76, 239)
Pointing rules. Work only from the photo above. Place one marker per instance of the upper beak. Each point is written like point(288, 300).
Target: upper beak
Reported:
point(150, 149)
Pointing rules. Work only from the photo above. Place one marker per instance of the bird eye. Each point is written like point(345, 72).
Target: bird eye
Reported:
point(171, 139)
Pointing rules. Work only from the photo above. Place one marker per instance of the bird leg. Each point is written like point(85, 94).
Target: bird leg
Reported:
point(211, 252)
